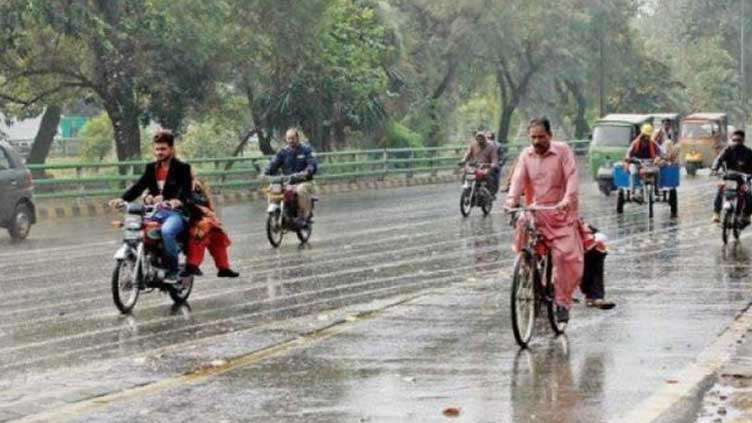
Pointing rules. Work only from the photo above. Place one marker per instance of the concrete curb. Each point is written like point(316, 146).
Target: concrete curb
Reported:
point(681, 400)
point(92, 208)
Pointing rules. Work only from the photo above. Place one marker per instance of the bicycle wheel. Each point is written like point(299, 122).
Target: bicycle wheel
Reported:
point(523, 300)
point(548, 272)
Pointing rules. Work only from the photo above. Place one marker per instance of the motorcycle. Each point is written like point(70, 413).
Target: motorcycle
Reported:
point(737, 186)
point(140, 263)
point(475, 190)
point(282, 211)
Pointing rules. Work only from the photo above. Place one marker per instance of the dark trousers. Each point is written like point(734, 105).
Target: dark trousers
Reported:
point(592, 277)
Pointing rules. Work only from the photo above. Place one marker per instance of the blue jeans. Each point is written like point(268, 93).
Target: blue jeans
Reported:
point(634, 177)
point(173, 226)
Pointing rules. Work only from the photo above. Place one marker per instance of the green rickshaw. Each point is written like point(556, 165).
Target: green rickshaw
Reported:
point(612, 136)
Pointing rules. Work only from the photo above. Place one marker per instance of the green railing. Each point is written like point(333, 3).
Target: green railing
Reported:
point(88, 180)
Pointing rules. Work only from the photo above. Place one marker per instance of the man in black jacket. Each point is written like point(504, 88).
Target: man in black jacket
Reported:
point(170, 181)
point(738, 157)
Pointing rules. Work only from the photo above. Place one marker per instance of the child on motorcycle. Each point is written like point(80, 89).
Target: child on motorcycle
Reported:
point(206, 233)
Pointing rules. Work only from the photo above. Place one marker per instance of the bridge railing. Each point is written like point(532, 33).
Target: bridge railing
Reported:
point(108, 179)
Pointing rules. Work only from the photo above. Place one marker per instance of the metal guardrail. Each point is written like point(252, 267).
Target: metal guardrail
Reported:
point(89, 180)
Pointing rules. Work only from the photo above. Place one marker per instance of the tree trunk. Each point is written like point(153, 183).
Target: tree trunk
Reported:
point(339, 135)
point(505, 121)
point(265, 143)
point(433, 107)
point(581, 127)
point(126, 129)
point(44, 137)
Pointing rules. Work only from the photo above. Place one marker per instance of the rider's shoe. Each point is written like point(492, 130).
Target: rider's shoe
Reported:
point(716, 218)
point(599, 303)
point(227, 273)
point(562, 314)
point(191, 270)
point(172, 277)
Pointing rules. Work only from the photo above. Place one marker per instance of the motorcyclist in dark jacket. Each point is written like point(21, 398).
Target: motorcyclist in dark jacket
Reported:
point(297, 159)
point(738, 157)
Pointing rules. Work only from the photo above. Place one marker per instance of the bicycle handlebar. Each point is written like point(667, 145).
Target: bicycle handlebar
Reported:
point(531, 209)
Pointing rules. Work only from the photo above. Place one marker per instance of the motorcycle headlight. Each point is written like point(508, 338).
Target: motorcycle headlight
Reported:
point(131, 235)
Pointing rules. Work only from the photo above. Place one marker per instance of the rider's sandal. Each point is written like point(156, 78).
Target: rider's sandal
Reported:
point(600, 304)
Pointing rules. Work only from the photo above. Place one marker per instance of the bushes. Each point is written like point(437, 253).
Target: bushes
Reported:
point(97, 139)
point(398, 135)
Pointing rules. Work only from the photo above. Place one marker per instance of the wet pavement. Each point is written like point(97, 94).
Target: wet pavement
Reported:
point(397, 311)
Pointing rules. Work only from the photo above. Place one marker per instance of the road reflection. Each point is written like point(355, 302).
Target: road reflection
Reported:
point(544, 388)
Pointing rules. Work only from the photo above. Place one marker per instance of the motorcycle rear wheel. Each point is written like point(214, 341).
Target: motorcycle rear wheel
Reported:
point(487, 205)
point(125, 287)
point(180, 291)
point(304, 234)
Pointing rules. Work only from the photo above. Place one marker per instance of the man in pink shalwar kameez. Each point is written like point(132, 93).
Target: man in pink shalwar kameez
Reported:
point(547, 173)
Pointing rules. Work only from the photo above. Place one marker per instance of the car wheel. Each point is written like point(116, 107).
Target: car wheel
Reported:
point(20, 225)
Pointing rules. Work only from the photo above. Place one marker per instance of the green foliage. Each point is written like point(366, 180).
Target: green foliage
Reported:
point(397, 135)
point(357, 73)
point(207, 139)
point(97, 139)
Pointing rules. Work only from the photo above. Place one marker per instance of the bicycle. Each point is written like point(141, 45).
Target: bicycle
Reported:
point(532, 281)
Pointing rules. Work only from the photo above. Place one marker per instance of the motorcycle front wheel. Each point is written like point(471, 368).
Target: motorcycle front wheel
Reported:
point(466, 202)
point(125, 286)
point(273, 230)
point(726, 224)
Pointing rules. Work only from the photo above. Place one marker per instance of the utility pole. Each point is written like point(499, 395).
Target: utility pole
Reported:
point(742, 70)
point(601, 77)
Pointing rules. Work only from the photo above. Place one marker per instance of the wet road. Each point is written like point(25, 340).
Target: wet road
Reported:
point(397, 310)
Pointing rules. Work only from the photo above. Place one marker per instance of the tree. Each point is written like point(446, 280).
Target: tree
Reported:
point(141, 59)
point(440, 47)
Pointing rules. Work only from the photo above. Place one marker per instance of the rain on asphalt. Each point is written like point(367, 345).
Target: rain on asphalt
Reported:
point(398, 309)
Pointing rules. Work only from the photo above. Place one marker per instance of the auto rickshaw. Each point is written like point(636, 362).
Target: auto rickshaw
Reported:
point(703, 135)
point(612, 136)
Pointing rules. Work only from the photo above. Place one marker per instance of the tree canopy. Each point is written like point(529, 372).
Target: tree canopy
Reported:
point(365, 73)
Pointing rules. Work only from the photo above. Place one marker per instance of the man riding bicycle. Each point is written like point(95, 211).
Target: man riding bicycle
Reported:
point(168, 181)
point(485, 153)
point(547, 173)
point(297, 159)
point(738, 157)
